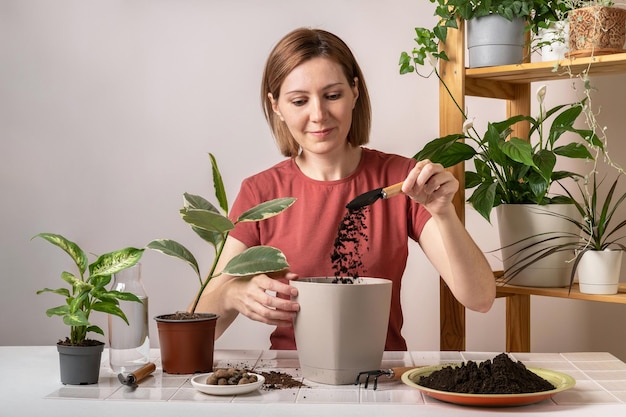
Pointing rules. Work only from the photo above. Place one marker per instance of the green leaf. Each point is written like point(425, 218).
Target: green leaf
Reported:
point(116, 261)
point(198, 202)
point(218, 184)
point(58, 311)
point(266, 210)
point(176, 250)
point(110, 308)
point(256, 260)
point(61, 291)
point(446, 150)
point(123, 295)
point(71, 248)
point(207, 220)
point(545, 162)
point(77, 318)
point(573, 150)
point(482, 199)
point(518, 150)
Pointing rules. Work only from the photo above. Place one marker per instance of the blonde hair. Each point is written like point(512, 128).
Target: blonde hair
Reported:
point(296, 48)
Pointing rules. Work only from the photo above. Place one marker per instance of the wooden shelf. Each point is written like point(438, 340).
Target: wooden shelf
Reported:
point(500, 82)
point(504, 290)
point(511, 83)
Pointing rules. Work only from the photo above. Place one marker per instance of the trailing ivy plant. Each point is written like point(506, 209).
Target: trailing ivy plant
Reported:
point(537, 13)
point(214, 226)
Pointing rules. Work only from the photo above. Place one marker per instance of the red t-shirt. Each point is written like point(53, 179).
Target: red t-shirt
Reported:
point(306, 231)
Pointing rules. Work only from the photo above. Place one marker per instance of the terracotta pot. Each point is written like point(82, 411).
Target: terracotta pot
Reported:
point(341, 329)
point(80, 365)
point(187, 346)
point(598, 271)
point(596, 30)
point(521, 221)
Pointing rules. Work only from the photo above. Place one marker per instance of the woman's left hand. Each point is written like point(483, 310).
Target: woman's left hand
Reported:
point(431, 185)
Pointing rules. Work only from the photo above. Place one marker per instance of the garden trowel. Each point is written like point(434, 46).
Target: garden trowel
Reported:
point(131, 379)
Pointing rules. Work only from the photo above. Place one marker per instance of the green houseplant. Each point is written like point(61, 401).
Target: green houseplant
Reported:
point(512, 170)
point(596, 232)
point(85, 293)
point(213, 227)
point(535, 14)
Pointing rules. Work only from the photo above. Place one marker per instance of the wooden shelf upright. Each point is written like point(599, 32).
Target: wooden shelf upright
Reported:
point(512, 84)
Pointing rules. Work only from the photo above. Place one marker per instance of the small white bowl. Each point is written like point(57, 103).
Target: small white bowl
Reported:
point(198, 383)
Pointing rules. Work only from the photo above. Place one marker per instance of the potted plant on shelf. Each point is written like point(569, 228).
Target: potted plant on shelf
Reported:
point(496, 30)
point(597, 247)
point(597, 27)
point(187, 338)
point(79, 356)
point(515, 175)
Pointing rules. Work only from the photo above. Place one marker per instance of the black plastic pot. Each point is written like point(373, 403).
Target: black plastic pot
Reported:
point(80, 365)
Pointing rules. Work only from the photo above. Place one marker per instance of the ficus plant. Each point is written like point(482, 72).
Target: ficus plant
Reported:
point(87, 291)
point(512, 170)
point(213, 227)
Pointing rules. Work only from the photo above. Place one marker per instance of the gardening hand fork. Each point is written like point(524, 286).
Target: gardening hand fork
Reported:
point(393, 374)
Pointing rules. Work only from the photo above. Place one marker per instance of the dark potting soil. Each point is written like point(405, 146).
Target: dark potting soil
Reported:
point(498, 376)
point(346, 255)
point(275, 380)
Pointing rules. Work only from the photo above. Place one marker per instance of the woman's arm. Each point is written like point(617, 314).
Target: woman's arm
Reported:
point(227, 296)
point(446, 242)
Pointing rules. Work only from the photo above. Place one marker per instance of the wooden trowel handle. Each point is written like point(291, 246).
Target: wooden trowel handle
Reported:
point(392, 190)
point(397, 372)
point(144, 371)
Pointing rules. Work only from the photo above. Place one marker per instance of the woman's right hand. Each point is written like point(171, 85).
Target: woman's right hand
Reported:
point(263, 298)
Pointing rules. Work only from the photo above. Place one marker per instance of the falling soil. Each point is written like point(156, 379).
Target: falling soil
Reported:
point(346, 255)
point(500, 376)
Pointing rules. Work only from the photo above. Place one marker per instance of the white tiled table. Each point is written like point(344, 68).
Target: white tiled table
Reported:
point(30, 385)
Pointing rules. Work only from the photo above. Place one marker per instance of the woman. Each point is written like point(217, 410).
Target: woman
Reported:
point(316, 102)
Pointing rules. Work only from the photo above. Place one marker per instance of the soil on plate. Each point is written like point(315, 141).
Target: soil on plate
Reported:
point(346, 256)
point(498, 376)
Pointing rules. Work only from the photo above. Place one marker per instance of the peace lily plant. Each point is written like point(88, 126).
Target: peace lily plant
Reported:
point(512, 170)
point(213, 227)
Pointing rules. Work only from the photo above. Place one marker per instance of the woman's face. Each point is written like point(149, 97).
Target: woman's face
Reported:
point(316, 102)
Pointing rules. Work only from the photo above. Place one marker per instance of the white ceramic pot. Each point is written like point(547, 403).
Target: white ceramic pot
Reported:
point(519, 221)
point(598, 271)
point(554, 41)
point(341, 329)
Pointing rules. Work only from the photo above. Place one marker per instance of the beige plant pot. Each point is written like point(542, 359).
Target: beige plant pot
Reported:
point(341, 329)
point(520, 221)
point(596, 30)
point(598, 271)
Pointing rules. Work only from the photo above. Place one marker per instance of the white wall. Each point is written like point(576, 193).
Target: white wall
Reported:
point(109, 108)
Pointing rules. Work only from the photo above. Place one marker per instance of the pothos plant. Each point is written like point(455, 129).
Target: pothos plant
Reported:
point(214, 226)
point(86, 291)
point(537, 13)
point(512, 170)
